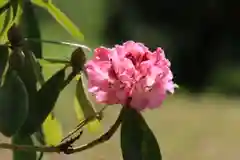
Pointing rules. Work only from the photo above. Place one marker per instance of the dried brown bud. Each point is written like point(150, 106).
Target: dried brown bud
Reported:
point(15, 36)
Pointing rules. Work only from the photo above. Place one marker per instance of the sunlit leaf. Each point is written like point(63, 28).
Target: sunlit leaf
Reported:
point(5, 19)
point(84, 108)
point(15, 11)
point(13, 104)
point(78, 76)
point(45, 101)
point(23, 155)
point(52, 130)
point(137, 139)
point(61, 18)
point(78, 109)
point(4, 5)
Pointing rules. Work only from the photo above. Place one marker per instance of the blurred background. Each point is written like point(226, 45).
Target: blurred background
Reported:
point(201, 39)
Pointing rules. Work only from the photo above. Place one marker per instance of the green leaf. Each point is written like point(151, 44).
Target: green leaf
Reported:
point(45, 101)
point(52, 130)
point(61, 18)
point(15, 13)
point(31, 28)
point(5, 19)
point(28, 76)
point(37, 69)
point(13, 104)
point(137, 140)
point(14, 5)
point(84, 108)
point(23, 155)
point(4, 55)
point(4, 5)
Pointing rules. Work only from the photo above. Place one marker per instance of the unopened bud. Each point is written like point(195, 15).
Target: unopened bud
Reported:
point(15, 36)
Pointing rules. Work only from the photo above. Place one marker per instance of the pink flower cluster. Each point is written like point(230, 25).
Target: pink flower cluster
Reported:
point(132, 71)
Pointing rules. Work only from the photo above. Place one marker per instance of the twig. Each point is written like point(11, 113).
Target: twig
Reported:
point(85, 121)
point(68, 144)
point(105, 137)
point(67, 149)
point(29, 148)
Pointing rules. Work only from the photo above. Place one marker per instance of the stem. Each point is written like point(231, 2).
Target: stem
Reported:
point(67, 148)
point(98, 116)
point(105, 137)
point(29, 148)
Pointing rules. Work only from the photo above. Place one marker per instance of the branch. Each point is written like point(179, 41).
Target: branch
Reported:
point(98, 116)
point(62, 148)
point(29, 148)
point(105, 137)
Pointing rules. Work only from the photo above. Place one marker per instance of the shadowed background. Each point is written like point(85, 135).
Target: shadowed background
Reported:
point(199, 37)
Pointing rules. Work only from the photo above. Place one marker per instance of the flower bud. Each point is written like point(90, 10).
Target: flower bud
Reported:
point(15, 36)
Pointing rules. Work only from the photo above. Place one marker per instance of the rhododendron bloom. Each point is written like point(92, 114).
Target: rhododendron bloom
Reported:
point(132, 71)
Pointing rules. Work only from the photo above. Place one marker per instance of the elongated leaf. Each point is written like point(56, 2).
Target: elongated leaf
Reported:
point(5, 18)
point(13, 104)
point(45, 101)
point(61, 18)
point(15, 11)
point(4, 5)
point(14, 5)
point(84, 108)
point(37, 69)
point(23, 155)
point(31, 28)
point(137, 140)
point(52, 130)
point(4, 55)
point(28, 76)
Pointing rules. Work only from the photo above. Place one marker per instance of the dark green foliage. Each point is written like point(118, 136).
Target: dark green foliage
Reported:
point(16, 59)
point(14, 5)
point(23, 155)
point(31, 28)
point(46, 98)
point(27, 100)
point(13, 104)
point(137, 140)
point(4, 54)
